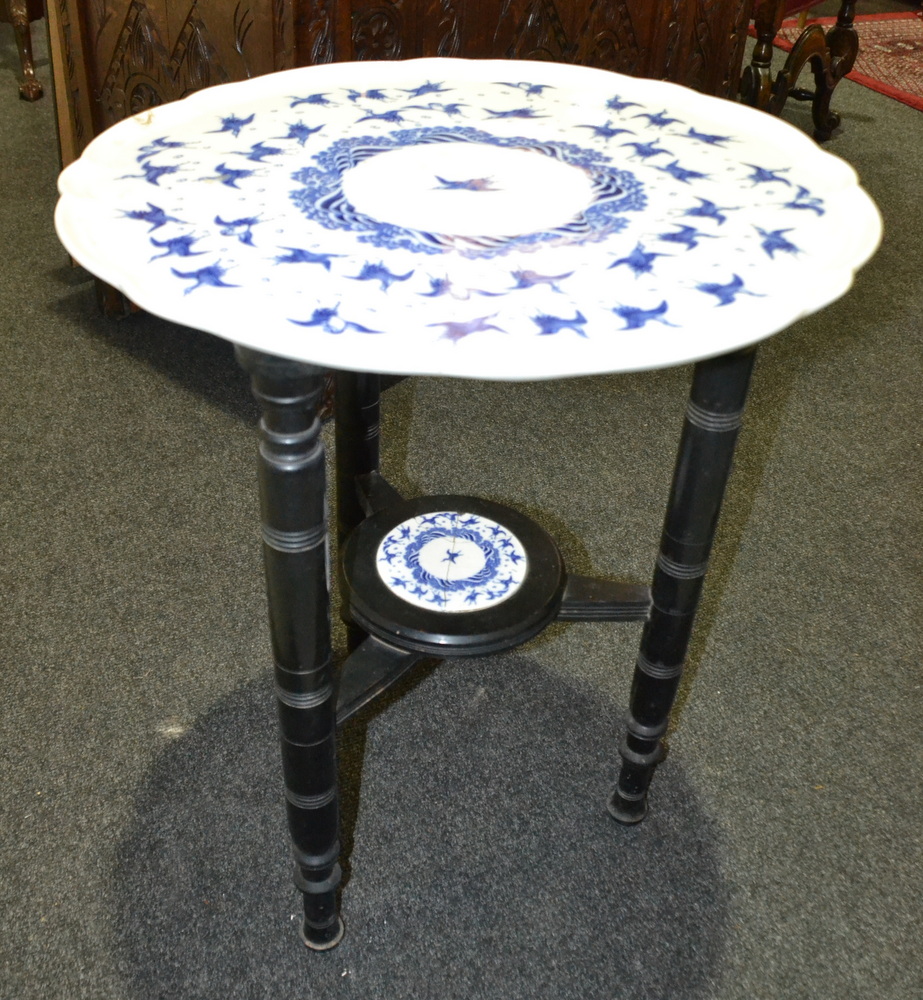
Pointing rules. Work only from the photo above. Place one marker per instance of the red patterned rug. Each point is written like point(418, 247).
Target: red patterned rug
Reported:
point(890, 53)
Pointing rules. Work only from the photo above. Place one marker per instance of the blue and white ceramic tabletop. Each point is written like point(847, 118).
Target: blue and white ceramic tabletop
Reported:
point(492, 219)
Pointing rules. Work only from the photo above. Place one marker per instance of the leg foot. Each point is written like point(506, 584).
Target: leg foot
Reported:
point(627, 811)
point(30, 90)
point(324, 940)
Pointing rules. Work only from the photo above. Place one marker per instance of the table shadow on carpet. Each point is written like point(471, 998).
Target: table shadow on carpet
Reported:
point(483, 862)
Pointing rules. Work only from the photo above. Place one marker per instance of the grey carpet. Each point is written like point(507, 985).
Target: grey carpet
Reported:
point(142, 842)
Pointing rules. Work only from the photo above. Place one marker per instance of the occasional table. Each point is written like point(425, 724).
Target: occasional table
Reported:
point(478, 219)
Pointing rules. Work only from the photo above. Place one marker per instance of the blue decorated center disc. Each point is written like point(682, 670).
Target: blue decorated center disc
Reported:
point(451, 561)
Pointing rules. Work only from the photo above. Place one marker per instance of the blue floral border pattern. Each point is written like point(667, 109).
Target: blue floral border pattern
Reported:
point(480, 562)
point(322, 200)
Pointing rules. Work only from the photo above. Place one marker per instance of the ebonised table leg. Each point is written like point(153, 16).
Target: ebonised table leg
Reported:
point(358, 409)
point(293, 504)
point(703, 464)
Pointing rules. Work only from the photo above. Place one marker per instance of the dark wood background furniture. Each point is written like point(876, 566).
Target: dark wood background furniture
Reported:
point(114, 58)
point(20, 13)
point(831, 55)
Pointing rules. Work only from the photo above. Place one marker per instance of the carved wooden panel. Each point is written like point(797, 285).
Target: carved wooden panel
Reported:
point(116, 57)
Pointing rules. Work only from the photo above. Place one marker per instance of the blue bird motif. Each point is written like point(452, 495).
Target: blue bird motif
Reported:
point(229, 176)
point(775, 241)
point(394, 117)
point(529, 279)
point(427, 88)
point(233, 124)
point(617, 104)
point(151, 173)
point(320, 99)
point(636, 318)
point(378, 272)
point(153, 214)
point(157, 146)
point(804, 200)
point(639, 260)
point(445, 286)
point(606, 131)
point(446, 109)
point(298, 256)
point(330, 321)
point(369, 95)
point(645, 150)
point(300, 132)
point(687, 235)
point(451, 557)
point(437, 287)
point(259, 151)
point(472, 597)
point(212, 276)
point(727, 293)
point(457, 331)
point(554, 324)
point(711, 140)
point(681, 173)
point(761, 175)
point(179, 246)
point(515, 113)
point(709, 210)
point(660, 120)
point(241, 228)
point(472, 184)
point(528, 88)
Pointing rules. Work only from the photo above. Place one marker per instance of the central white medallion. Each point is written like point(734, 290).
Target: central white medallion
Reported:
point(468, 189)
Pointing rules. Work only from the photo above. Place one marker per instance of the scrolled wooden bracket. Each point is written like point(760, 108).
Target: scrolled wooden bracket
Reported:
point(831, 55)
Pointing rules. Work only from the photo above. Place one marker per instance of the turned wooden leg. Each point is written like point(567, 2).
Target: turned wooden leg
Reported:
point(756, 84)
point(713, 418)
point(29, 88)
point(357, 409)
point(293, 503)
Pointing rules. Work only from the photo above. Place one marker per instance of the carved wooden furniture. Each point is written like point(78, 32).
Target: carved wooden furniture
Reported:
point(483, 219)
point(116, 57)
point(831, 56)
point(20, 13)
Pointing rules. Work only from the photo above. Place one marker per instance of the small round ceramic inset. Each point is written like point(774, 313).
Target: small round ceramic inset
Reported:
point(451, 561)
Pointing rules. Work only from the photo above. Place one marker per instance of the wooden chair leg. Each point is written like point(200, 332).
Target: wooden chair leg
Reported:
point(29, 88)
point(831, 56)
point(756, 86)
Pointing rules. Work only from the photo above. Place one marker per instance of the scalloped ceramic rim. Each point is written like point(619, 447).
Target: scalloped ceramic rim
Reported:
point(535, 313)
